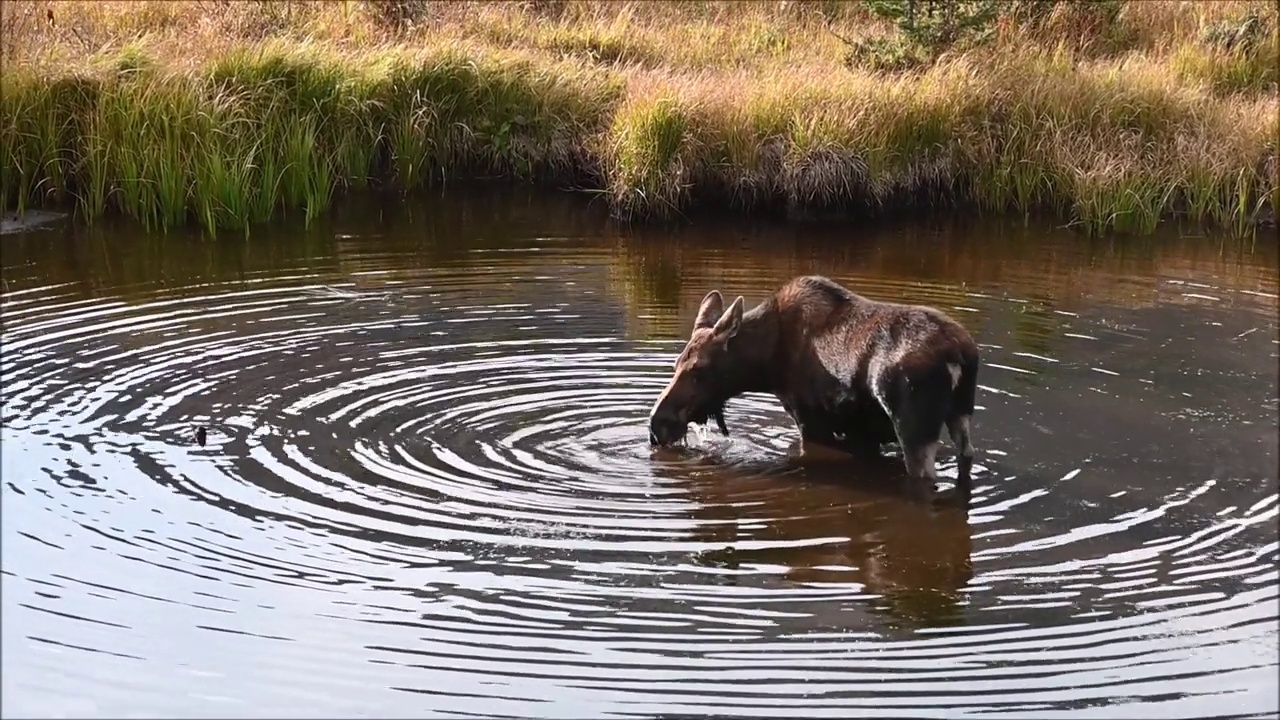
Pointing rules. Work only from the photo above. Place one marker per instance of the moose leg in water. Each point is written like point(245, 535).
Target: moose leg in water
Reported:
point(918, 408)
point(958, 428)
point(848, 430)
point(922, 394)
point(866, 427)
point(964, 381)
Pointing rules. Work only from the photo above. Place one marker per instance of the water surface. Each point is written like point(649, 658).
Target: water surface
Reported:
point(426, 489)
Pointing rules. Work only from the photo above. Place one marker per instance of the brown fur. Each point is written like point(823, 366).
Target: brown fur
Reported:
point(851, 372)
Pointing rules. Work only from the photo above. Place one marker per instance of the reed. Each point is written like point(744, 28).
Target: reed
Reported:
point(157, 112)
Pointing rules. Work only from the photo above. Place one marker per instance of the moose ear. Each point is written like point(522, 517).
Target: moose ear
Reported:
point(728, 324)
point(712, 307)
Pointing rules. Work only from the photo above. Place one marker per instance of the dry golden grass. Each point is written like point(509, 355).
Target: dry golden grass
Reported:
point(128, 106)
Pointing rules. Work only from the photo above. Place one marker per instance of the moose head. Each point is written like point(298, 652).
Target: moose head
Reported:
point(700, 387)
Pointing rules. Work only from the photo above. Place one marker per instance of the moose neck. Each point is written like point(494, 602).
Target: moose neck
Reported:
point(752, 352)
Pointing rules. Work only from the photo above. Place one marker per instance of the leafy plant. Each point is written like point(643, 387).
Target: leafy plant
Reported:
point(935, 25)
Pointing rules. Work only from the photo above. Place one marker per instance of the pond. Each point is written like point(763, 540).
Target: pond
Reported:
point(425, 487)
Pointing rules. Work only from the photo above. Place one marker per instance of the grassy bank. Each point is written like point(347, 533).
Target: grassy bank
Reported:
point(225, 112)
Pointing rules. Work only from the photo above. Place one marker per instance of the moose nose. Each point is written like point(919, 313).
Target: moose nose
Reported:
point(655, 431)
point(664, 429)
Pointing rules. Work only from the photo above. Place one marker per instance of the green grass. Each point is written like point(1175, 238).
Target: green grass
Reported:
point(283, 128)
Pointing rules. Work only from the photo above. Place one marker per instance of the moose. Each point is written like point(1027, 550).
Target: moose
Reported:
point(853, 373)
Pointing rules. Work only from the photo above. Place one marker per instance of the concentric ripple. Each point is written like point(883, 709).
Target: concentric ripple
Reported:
point(430, 492)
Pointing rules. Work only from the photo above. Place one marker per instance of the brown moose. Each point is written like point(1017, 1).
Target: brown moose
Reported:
point(851, 372)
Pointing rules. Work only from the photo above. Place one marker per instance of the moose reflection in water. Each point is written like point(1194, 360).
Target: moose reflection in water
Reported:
point(851, 372)
point(912, 560)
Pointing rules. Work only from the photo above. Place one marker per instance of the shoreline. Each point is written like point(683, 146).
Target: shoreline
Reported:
point(225, 141)
point(591, 208)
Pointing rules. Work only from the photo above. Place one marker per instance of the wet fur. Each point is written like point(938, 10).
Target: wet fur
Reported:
point(851, 372)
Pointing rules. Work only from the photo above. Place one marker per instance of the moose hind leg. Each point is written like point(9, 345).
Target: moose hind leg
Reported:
point(958, 427)
point(919, 416)
point(921, 469)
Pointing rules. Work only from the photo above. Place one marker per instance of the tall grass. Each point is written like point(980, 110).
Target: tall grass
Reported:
point(663, 105)
point(283, 126)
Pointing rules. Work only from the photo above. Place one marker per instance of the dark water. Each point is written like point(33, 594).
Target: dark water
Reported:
point(426, 488)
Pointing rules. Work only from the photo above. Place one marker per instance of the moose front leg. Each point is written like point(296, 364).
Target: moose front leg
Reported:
point(814, 427)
